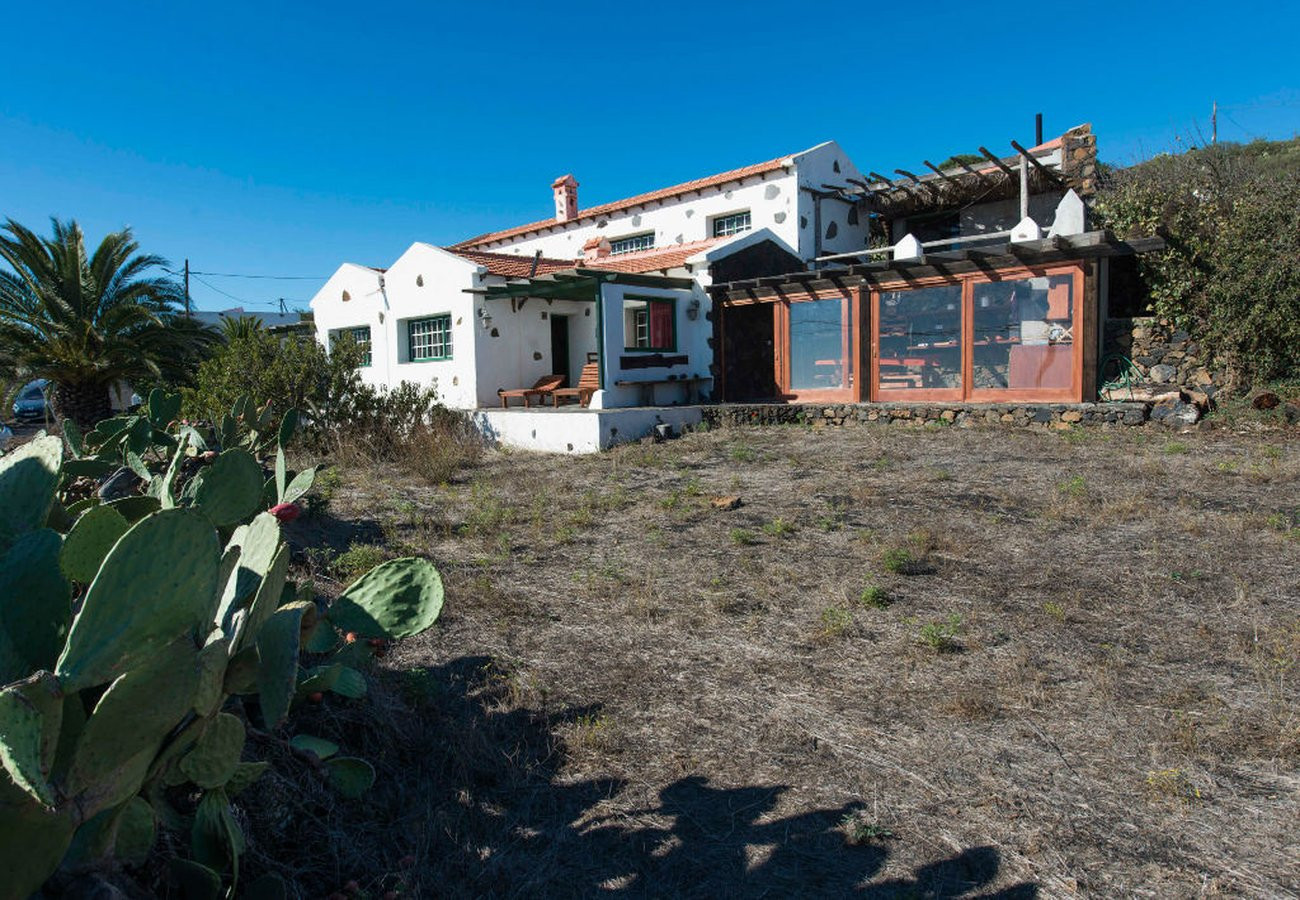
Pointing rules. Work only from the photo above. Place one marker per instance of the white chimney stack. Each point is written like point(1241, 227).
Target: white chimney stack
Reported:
point(566, 198)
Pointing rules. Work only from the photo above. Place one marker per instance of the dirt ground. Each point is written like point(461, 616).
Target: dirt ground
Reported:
point(912, 663)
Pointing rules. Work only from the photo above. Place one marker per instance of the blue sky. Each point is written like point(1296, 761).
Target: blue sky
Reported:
point(282, 138)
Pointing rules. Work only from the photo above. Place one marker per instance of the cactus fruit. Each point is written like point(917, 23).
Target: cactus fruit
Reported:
point(350, 776)
point(212, 761)
point(35, 604)
point(285, 512)
point(135, 607)
point(89, 541)
point(28, 477)
point(230, 489)
point(398, 598)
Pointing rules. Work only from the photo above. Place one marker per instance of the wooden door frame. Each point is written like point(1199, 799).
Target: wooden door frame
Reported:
point(850, 338)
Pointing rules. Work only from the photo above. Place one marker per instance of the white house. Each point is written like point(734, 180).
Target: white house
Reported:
point(621, 285)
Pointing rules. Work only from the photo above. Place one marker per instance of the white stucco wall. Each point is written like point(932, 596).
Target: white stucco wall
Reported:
point(519, 352)
point(770, 199)
point(364, 306)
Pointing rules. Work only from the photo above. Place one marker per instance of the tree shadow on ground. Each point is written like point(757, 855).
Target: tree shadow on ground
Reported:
point(490, 813)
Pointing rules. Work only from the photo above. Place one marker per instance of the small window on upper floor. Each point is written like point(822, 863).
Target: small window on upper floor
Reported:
point(732, 223)
point(632, 244)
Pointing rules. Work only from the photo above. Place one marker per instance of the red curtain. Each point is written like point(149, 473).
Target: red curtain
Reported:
point(661, 325)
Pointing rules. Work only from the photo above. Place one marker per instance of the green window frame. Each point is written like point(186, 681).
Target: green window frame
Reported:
point(733, 223)
point(360, 335)
point(429, 339)
point(632, 243)
point(638, 328)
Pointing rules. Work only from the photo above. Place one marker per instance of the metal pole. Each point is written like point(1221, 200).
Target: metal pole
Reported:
point(1038, 129)
point(1214, 123)
point(1024, 187)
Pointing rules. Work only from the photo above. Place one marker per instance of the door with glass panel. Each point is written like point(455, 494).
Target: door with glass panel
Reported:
point(919, 343)
point(819, 357)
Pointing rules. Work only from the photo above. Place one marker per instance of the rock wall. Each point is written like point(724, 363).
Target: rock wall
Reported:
point(1043, 415)
point(1165, 357)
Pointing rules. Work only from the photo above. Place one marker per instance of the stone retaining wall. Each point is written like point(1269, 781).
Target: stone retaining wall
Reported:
point(1165, 357)
point(1043, 415)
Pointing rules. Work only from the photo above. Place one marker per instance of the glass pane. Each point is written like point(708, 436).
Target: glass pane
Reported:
point(820, 345)
point(920, 339)
point(1024, 334)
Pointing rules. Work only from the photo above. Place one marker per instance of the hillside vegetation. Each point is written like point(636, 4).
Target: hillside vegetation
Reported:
point(1231, 275)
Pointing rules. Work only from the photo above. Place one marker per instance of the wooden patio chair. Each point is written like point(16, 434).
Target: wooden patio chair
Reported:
point(546, 385)
point(588, 384)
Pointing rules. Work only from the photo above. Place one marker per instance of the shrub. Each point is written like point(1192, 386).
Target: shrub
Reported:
point(898, 560)
point(835, 620)
point(874, 596)
point(1231, 274)
point(941, 637)
point(743, 537)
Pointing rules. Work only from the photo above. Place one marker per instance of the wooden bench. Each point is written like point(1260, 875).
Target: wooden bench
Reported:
point(588, 384)
point(546, 385)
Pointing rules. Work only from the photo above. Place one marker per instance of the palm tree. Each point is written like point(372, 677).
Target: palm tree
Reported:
point(89, 322)
point(238, 327)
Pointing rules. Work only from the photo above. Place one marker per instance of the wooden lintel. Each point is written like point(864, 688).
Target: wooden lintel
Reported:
point(997, 162)
point(1033, 160)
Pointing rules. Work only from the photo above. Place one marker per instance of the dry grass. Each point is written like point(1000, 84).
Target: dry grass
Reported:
point(1085, 679)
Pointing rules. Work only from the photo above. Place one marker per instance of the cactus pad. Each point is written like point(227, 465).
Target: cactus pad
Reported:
point(155, 583)
point(28, 477)
point(89, 541)
point(277, 645)
point(211, 763)
point(231, 490)
point(395, 599)
point(350, 776)
point(29, 729)
point(35, 604)
point(310, 744)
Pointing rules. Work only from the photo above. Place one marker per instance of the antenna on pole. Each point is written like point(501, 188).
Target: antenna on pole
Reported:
point(1038, 129)
point(1214, 123)
point(187, 288)
point(284, 310)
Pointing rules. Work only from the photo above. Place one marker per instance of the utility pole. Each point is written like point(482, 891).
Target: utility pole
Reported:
point(187, 288)
point(1214, 123)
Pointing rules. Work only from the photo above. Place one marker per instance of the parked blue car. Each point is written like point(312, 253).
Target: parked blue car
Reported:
point(31, 402)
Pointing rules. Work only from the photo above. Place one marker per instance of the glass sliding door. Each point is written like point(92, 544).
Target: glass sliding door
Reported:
point(819, 338)
point(919, 343)
point(1023, 337)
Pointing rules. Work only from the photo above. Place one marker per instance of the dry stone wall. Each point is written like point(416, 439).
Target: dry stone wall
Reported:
point(1165, 358)
point(1044, 415)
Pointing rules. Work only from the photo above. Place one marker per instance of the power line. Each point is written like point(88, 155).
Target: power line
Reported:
point(271, 277)
point(217, 289)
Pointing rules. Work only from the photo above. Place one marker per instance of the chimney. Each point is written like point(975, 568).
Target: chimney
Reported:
point(595, 248)
point(566, 198)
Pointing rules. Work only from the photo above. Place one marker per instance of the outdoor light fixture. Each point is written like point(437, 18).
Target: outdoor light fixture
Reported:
point(693, 309)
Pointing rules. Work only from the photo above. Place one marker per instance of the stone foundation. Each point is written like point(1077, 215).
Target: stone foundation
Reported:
point(1042, 415)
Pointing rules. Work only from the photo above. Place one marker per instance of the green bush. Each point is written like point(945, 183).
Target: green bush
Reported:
point(1231, 275)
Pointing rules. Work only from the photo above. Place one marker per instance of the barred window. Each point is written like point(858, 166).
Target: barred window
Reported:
point(632, 244)
point(360, 335)
point(429, 338)
point(724, 226)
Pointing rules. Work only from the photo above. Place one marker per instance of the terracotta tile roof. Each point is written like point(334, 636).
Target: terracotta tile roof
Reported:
point(511, 265)
point(605, 208)
point(649, 260)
